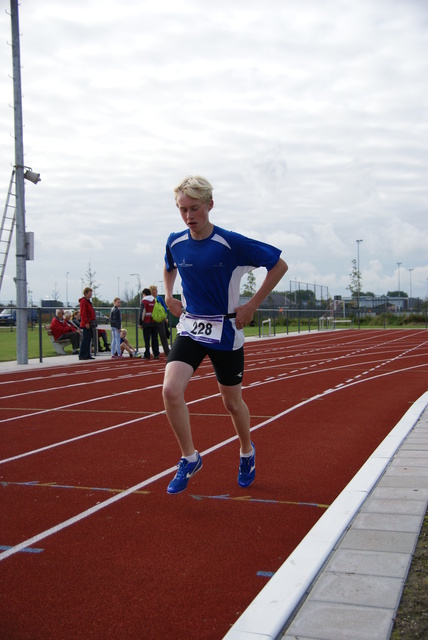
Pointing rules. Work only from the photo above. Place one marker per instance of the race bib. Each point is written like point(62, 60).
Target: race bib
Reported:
point(201, 328)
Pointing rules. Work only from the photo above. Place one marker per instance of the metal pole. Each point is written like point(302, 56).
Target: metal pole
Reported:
point(410, 299)
point(21, 253)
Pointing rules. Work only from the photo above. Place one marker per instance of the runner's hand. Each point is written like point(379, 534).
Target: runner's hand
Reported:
point(244, 315)
point(175, 306)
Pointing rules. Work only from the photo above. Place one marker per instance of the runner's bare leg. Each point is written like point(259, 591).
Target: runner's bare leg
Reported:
point(235, 405)
point(176, 379)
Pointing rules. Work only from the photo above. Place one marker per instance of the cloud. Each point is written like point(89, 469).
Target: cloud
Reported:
point(309, 119)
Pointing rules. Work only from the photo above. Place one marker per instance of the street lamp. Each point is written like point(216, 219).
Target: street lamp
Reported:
point(410, 299)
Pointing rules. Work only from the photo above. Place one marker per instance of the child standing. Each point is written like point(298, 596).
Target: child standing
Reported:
point(116, 325)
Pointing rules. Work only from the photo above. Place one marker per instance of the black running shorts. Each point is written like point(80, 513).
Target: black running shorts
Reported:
point(228, 365)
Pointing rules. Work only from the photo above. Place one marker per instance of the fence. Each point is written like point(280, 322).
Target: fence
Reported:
point(266, 323)
point(286, 320)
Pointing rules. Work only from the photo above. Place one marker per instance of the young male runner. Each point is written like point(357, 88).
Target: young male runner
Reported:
point(211, 262)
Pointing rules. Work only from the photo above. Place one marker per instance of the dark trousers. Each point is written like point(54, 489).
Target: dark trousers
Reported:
point(73, 336)
point(150, 333)
point(85, 345)
point(162, 336)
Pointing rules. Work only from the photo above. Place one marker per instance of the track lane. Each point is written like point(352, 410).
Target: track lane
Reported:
point(320, 433)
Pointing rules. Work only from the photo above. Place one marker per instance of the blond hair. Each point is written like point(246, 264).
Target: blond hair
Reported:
point(195, 187)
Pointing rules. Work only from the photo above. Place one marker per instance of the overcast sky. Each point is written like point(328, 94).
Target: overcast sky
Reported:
point(309, 118)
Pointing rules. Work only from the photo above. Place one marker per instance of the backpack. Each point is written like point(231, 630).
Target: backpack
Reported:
point(158, 313)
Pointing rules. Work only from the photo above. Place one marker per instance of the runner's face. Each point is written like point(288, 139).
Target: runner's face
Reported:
point(195, 214)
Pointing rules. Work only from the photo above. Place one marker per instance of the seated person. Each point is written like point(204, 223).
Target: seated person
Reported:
point(125, 345)
point(76, 318)
point(68, 319)
point(102, 335)
point(61, 331)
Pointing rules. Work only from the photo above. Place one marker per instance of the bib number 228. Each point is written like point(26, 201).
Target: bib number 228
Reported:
point(202, 328)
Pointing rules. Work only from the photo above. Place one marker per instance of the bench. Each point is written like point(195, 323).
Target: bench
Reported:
point(58, 346)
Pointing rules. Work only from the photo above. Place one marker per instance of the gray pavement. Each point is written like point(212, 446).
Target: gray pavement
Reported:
point(345, 579)
point(54, 361)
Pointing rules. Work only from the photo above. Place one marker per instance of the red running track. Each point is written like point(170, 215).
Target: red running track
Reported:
point(91, 544)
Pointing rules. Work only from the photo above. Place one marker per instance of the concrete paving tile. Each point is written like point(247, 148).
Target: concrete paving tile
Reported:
point(411, 452)
point(365, 539)
point(326, 621)
point(421, 447)
point(408, 461)
point(408, 471)
point(404, 482)
point(418, 440)
point(358, 590)
point(398, 507)
point(371, 563)
point(388, 522)
point(400, 493)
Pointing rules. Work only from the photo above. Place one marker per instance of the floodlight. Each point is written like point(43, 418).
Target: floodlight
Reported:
point(32, 176)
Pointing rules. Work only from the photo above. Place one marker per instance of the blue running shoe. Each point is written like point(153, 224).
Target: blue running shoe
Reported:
point(247, 469)
point(185, 471)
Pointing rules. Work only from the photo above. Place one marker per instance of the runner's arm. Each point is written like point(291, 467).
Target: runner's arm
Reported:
point(172, 303)
point(244, 314)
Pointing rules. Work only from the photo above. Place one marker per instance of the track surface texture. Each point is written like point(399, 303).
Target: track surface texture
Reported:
point(91, 544)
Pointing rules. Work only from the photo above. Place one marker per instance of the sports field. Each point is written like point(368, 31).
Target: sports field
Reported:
point(92, 545)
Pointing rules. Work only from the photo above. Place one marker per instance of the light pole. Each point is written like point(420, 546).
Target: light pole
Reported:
point(21, 235)
point(399, 265)
point(137, 275)
point(410, 299)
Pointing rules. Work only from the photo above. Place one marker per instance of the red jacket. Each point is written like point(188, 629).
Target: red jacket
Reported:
point(87, 312)
point(59, 327)
point(148, 304)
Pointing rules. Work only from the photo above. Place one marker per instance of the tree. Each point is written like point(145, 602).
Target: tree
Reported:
point(55, 293)
point(397, 294)
point(249, 288)
point(355, 285)
point(90, 280)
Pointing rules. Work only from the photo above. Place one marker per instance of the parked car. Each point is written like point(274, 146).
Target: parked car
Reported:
point(102, 318)
point(8, 317)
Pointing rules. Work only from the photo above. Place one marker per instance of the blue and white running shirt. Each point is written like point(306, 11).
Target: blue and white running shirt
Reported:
point(211, 272)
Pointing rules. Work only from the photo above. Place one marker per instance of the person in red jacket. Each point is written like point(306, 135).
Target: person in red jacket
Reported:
point(150, 328)
point(63, 331)
point(87, 320)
